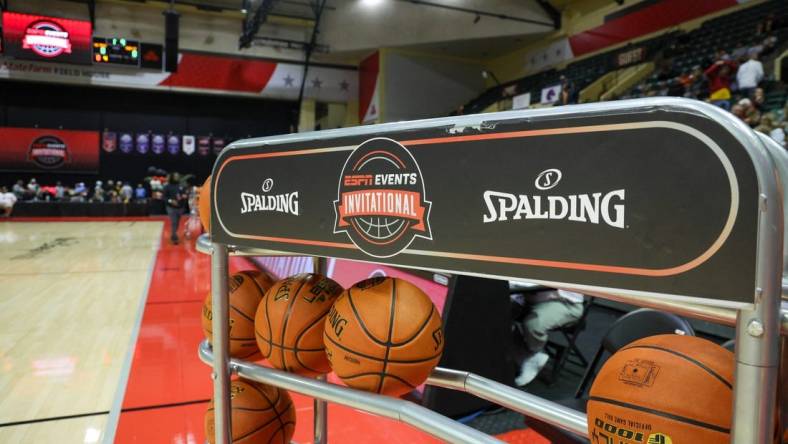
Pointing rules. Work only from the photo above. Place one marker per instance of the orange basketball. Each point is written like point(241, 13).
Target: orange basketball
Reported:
point(665, 389)
point(204, 204)
point(289, 323)
point(246, 291)
point(259, 413)
point(384, 335)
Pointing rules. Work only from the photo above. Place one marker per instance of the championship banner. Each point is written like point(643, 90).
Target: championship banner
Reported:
point(109, 141)
point(650, 200)
point(173, 144)
point(188, 145)
point(218, 145)
point(143, 143)
point(204, 145)
point(126, 143)
point(157, 143)
point(44, 38)
point(49, 150)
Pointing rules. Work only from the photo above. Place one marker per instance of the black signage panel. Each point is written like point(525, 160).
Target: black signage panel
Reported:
point(650, 200)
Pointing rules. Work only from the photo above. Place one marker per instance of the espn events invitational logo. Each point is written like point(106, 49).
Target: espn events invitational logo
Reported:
point(48, 152)
point(595, 208)
point(47, 39)
point(285, 203)
point(381, 204)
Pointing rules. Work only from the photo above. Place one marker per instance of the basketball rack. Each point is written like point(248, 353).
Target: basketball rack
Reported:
point(755, 167)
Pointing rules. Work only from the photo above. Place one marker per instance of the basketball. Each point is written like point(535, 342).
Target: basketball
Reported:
point(289, 323)
point(259, 413)
point(665, 389)
point(247, 289)
point(384, 335)
point(204, 204)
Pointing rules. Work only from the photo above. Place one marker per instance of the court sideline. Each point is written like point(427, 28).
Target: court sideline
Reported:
point(95, 281)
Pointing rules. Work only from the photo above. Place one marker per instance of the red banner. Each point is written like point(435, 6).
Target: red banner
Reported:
point(38, 37)
point(392, 203)
point(36, 149)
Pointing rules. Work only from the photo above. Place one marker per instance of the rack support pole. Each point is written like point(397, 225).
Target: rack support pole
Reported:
point(756, 373)
point(321, 406)
point(221, 343)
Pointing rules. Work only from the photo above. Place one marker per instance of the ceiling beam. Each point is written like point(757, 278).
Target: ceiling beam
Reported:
point(253, 21)
point(479, 13)
point(554, 14)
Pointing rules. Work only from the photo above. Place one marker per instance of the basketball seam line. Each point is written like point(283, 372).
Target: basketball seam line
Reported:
point(687, 358)
point(389, 343)
point(254, 281)
point(293, 349)
point(242, 314)
point(262, 426)
point(273, 405)
point(388, 375)
point(392, 310)
point(361, 322)
point(282, 428)
point(683, 419)
point(303, 331)
point(393, 361)
point(421, 328)
point(239, 311)
point(267, 320)
point(290, 304)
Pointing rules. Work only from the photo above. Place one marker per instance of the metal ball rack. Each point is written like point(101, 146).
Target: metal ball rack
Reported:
point(761, 320)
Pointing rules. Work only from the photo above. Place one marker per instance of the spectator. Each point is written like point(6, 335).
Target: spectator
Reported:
point(749, 114)
point(111, 193)
point(140, 194)
point(765, 26)
point(759, 99)
point(19, 189)
point(60, 191)
point(749, 75)
point(697, 85)
point(7, 202)
point(80, 193)
point(47, 193)
point(33, 188)
point(567, 91)
point(720, 77)
point(769, 127)
point(767, 46)
point(548, 310)
point(174, 199)
point(98, 192)
point(126, 192)
point(740, 53)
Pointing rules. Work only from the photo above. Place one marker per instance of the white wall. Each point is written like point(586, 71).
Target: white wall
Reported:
point(418, 86)
point(358, 25)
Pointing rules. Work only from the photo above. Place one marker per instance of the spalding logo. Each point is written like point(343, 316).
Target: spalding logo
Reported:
point(547, 179)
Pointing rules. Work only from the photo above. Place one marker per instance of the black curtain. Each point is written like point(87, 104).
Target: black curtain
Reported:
point(45, 105)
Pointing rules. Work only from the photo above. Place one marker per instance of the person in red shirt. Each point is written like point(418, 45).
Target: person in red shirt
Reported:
point(721, 75)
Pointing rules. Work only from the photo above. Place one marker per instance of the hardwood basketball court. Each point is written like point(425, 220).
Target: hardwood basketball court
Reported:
point(71, 299)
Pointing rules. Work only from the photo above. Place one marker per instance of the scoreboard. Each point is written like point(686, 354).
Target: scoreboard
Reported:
point(116, 51)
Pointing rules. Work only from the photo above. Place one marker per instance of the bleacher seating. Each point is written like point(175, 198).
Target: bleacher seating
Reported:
point(675, 52)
